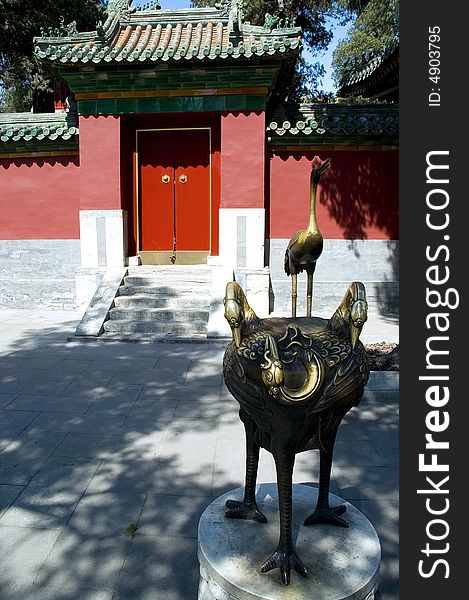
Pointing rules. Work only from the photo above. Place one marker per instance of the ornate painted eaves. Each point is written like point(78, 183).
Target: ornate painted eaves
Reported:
point(334, 124)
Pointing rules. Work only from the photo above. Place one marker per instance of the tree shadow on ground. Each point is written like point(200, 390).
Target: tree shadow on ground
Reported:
point(113, 451)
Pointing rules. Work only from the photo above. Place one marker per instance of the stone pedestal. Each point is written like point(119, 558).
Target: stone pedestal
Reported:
point(342, 563)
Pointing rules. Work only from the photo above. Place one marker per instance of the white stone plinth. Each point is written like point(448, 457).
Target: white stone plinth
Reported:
point(103, 238)
point(242, 237)
point(342, 562)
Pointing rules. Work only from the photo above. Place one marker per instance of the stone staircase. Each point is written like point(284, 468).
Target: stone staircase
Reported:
point(161, 303)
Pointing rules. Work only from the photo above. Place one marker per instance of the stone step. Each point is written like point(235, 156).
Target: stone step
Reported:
point(155, 326)
point(185, 314)
point(163, 301)
point(165, 291)
point(162, 271)
point(176, 269)
point(166, 281)
point(159, 337)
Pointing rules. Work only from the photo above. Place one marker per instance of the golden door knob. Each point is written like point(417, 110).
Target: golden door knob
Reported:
point(182, 178)
point(166, 179)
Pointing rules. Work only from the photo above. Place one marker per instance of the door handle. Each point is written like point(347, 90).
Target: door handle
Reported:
point(182, 178)
point(166, 179)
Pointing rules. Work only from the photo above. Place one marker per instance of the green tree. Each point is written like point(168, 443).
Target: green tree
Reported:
point(312, 16)
point(24, 82)
point(376, 25)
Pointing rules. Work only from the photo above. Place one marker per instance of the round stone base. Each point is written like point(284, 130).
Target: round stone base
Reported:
point(342, 562)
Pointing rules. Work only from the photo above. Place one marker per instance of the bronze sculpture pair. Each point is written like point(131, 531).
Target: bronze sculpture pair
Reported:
point(294, 379)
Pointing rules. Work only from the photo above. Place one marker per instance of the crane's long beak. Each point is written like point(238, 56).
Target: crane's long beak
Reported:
point(354, 334)
point(233, 314)
point(236, 332)
point(319, 170)
point(325, 165)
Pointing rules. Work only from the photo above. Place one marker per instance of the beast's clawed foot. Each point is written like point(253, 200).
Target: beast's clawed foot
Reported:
point(243, 510)
point(328, 515)
point(285, 561)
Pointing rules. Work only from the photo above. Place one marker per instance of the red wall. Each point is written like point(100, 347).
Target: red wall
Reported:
point(100, 163)
point(357, 197)
point(242, 159)
point(40, 198)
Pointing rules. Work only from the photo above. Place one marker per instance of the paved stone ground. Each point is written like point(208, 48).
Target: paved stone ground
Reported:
point(109, 453)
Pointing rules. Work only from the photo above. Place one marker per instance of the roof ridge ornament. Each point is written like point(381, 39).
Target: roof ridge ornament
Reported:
point(117, 10)
point(120, 6)
point(224, 6)
point(61, 31)
point(156, 5)
point(235, 22)
point(278, 20)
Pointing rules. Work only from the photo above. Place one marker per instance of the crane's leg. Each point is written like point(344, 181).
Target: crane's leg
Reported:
point(309, 295)
point(247, 509)
point(285, 557)
point(294, 293)
point(323, 512)
point(309, 290)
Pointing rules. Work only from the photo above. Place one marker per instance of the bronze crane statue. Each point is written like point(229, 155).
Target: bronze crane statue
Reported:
point(294, 380)
point(305, 247)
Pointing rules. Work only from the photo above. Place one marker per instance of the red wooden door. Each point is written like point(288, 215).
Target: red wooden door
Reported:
point(174, 190)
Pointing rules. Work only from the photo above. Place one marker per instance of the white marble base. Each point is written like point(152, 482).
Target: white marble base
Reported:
point(103, 237)
point(242, 237)
point(342, 563)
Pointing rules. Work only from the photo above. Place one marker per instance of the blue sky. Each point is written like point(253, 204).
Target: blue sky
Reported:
point(325, 58)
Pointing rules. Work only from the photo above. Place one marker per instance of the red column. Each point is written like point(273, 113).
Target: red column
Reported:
point(242, 159)
point(100, 163)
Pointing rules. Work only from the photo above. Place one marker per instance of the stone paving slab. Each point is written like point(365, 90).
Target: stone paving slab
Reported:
point(383, 380)
point(22, 552)
point(87, 561)
point(53, 386)
point(40, 403)
point(172, 515)
point(89, 445)
point(91, 550)
point(361, 483)
point(144, 435)
point(60, 474)
point(12, 423)
point(41, 508)
point(128, 476)
point(163, 568)
point(24, 456)
point(38, 592)
point(8, 494)
point(6, 399)
point(77, 423)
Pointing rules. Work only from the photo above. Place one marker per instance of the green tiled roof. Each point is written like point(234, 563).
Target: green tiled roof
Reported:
point(132, 36)
point(334, 123)
point(376, 75)
point(31, 131)
point(357, 71)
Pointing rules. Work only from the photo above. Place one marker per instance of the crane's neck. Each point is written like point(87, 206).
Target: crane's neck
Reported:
point(313, 226)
